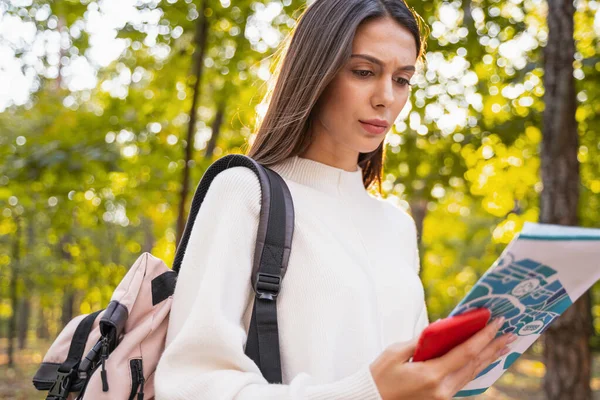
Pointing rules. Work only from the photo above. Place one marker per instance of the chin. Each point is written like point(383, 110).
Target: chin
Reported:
point(369, 149)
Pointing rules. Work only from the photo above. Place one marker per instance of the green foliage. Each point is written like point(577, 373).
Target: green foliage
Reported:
point(93, 176)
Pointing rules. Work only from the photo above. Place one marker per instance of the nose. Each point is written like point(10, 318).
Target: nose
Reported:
point(384, 93)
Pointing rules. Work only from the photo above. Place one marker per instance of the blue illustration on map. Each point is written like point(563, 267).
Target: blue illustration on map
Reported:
point(527, 293)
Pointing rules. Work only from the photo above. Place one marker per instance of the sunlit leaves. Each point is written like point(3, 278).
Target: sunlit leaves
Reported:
point(96, 169)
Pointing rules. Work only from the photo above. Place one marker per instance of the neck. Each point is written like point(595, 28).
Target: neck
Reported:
point(348, 164)
point(323, 177)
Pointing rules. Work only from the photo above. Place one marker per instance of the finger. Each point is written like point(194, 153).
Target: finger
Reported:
point(494, 350)
point(491, 353)
point(471, 371)
point(468, 350)
point(403, 351)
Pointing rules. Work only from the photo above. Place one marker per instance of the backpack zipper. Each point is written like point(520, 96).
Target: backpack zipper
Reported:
point(82, 392)
point(103, 353)
point(103, 358)
point(137, 379)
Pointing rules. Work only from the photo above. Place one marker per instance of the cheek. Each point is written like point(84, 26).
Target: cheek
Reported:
point(352, 96)
point(338, 104)
point(402, 100)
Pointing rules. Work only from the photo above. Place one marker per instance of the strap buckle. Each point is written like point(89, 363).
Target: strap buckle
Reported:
point(60, 389)
point(87, 363)
point(267, 286)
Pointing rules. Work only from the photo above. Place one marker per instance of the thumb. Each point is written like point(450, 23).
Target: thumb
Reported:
point(403, 351)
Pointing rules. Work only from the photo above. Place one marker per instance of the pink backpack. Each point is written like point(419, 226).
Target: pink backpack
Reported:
point(112, 353)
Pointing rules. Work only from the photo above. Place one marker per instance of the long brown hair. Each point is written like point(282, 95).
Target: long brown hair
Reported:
point(310, 57)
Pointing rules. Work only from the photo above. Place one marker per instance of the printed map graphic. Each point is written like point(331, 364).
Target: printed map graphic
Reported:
point(527, 293)
point(541, 272)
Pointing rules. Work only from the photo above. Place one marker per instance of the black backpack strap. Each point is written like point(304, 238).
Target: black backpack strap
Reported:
point(270, 265)
point(67, 372)
point(271, 256)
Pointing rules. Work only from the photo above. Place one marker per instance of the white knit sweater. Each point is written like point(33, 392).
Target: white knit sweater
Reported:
point(351, 289)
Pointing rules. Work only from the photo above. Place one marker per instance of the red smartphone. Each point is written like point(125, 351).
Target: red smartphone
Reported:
point(443, 335)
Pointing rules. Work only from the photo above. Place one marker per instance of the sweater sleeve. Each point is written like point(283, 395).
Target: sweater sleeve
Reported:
point(204, 355)
point(423, 319)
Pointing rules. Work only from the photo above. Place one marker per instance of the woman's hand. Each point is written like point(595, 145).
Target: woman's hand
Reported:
point(438, 378)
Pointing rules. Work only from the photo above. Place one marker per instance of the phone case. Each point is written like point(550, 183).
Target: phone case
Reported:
point(443, 335)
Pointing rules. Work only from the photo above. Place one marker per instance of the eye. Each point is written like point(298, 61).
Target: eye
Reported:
point(363, 73)
point(403, 82)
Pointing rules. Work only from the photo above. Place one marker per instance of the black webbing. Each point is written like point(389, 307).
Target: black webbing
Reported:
point(67, 372)
point(78, 342)
point(229, 161)
point(277, 224)
point(273, 246)
point(262, 345)
point(263, 335)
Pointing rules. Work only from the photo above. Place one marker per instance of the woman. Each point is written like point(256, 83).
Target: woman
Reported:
point(352, 304)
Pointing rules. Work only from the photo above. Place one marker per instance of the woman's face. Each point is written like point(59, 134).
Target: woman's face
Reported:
point(373, 85)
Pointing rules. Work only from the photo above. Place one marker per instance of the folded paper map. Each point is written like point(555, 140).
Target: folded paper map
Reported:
point(542, 271)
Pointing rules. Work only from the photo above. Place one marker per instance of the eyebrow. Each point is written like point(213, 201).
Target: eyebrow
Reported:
point(380, 63)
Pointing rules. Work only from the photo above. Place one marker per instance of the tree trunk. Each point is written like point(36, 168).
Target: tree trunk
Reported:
point(42, 327)
point(115, 255)
point(566, 352)
point(148, 235)
point(112, 240)
point(216, 130)
point(14, 276)
point(68, 299)
point(25, 307)
point(62, 52)
point(200, 42)
point(68, 306)
point(23, 322)
point(418, 209)
point(468, 17)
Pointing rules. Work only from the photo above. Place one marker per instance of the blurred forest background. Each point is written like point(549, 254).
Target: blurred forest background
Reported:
point(111, 111)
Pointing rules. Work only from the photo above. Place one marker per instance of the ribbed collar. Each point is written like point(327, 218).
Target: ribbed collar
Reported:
point(323, 177)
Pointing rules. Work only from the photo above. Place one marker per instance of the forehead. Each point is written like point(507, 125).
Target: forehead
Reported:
point(386, 40)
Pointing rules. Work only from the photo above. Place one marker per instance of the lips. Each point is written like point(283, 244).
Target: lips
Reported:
point(375, 127)
point(377, 122)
